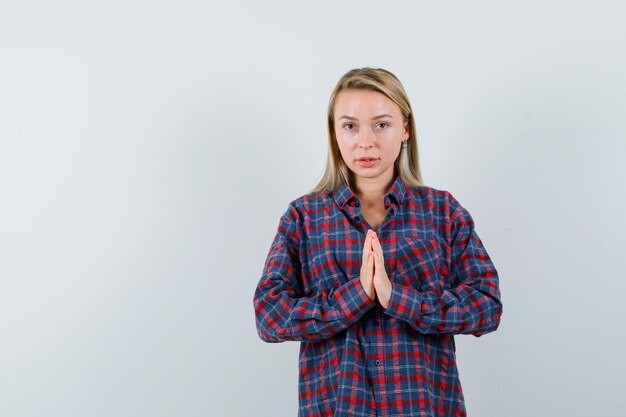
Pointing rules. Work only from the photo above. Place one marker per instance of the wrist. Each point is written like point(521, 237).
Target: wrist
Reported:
point(384, 293)
point(371, 293)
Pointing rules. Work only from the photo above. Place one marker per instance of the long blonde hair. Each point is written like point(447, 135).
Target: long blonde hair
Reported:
point(382, 81)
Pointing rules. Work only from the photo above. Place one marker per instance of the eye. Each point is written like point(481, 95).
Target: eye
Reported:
point(383, 125)
point(349, 126)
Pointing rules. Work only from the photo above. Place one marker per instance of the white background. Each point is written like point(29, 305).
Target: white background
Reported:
point(148, 149)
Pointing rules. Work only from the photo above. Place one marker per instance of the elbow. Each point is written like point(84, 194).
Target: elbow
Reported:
point(264, 336)
point(270, 330)
point(492, 323)
point(267, 333)
point(497, 315)
point(265, 325)
point(266, 330)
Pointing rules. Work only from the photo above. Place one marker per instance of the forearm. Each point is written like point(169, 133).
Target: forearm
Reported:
point(280, 316)
point(461, 310)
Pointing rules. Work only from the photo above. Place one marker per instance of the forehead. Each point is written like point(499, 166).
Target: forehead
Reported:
point(364, 103)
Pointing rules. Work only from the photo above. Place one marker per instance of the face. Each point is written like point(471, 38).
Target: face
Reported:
point(370, 130)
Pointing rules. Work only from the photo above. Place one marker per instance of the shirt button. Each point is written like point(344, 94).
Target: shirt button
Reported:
point(377, 363)
point(377, 322)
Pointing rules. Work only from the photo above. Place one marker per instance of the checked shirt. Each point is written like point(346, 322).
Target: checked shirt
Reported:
point(356, 357)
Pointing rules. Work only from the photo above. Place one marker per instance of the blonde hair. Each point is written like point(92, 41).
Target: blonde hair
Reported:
point(406, 165)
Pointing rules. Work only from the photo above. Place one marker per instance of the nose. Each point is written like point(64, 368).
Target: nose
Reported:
point(366, 139)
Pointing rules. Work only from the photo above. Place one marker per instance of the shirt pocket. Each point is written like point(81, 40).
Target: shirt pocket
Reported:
point(419, 263)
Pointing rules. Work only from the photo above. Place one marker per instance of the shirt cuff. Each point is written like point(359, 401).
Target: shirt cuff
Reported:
point(405, 303)
point(353, 300)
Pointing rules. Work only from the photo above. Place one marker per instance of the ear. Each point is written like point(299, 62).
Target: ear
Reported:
point(405, 134)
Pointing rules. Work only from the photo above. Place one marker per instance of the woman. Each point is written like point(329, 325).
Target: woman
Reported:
point(375, 272)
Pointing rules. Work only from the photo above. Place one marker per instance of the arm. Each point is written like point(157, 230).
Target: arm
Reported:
point(283, 312)
point(471, 305)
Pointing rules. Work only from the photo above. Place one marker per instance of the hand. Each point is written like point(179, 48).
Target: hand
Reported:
point(382, 283)
point(367, 267)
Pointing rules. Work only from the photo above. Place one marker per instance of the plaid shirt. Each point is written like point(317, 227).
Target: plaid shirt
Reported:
point(356, 357)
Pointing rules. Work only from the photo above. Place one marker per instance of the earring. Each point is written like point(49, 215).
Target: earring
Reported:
point(404, 145)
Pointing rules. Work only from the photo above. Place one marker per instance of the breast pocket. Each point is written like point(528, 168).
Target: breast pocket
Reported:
point(419, 263)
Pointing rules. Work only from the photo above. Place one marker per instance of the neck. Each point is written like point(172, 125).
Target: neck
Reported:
point(373, 189)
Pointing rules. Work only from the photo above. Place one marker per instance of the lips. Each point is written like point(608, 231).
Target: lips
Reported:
point(367, 162)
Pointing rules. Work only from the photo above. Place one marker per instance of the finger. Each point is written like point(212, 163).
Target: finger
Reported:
point(372, 239)
point(376, 243)
point(368, 243)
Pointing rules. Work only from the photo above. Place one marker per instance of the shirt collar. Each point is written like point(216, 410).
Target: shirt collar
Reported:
point(343, 195)
point(397, 191)
point(396, 194)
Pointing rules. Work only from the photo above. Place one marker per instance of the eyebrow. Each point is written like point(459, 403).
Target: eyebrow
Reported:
point(380, 116)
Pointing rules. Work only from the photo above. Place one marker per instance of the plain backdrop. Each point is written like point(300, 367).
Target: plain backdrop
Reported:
point(148, 149)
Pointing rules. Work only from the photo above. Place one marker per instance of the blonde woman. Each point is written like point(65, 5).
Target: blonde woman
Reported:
point(373, 271)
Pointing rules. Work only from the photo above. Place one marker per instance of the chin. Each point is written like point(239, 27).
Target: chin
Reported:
point(366, 173)
point(369, 173)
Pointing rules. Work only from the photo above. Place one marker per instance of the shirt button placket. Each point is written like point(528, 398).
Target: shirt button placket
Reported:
point(377, 322)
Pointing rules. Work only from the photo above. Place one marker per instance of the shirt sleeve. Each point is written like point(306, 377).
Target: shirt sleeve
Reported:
point(471, 305)
point(283, 312)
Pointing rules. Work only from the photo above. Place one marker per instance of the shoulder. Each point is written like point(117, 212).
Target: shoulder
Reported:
point(308, 206)
point(440, 206)
point(436, 199)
